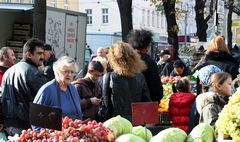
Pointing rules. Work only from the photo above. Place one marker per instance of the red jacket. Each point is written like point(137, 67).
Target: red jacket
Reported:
point(180, 107)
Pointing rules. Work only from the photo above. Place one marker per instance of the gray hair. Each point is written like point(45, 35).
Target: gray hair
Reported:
point(4, 52)
point(63, 61)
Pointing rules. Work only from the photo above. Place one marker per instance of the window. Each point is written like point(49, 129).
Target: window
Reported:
point(31, 1)
point(153, 19)
point(89, 16)
point(53, 3)
point(143, 17)
point(158, 20)
point(104, 15)
point(148, 18)
point(20, 1)
point(65, 4)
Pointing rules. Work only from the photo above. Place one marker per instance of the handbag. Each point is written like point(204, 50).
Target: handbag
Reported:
point(106, 108)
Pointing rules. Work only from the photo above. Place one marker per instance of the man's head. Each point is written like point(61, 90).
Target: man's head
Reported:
point(164, 55)
point(47, 52)
point(179, 67)
point(95, 70)
point(140, 39)
point(7, 57)
point(33, 50)
point(101, 52)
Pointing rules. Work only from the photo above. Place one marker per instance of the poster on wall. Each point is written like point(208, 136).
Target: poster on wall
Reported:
point(71, 36)
point(55, 25)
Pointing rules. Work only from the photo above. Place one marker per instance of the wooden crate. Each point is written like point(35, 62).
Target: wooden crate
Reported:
point(164, 118)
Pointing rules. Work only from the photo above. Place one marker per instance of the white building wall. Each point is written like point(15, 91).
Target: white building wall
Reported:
point(190, 23)
point(140, 19)
point(97, 26)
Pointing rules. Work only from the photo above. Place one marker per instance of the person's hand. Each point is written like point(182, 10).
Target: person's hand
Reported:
point(95, 101)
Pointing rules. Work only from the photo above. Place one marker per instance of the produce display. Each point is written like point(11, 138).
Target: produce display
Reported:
point(118, 125)
point(163, 106)
point(228, 122)
point(123, 130)
point(129, 138)
point(201, 133)
point(143, 132)
point(170, 135)
point(72, 131)
point(167, 82)
point(170, 79)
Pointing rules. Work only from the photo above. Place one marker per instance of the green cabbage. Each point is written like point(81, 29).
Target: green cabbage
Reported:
point(203, 132)
point(129, 138)
point(119, 125)
point(170, 135)
point(142, 132)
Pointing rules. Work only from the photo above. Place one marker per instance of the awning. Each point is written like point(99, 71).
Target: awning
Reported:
point(15, 6)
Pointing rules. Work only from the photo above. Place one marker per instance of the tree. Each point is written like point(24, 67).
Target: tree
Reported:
point(39, 19)
point(125, 8)
point(172, 27)
point(201, 22)
point(229, 23)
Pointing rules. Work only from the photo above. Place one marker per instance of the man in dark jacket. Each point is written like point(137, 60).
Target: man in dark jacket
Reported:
point(7, 59)
point(180, 69)
point(140, 40)
point(49, 59)
point(90, 90)
point(165, 65)
point(20, 85)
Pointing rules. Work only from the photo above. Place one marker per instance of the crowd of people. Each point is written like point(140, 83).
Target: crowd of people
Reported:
point(114, 78)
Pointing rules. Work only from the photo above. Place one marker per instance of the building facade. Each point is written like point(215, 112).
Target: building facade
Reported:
point(63, 4)
point(104, 19)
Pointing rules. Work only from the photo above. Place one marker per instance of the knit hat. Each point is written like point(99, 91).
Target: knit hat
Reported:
point(205, 73)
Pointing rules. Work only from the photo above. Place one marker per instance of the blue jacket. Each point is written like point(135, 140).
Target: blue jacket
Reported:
point(70, 105)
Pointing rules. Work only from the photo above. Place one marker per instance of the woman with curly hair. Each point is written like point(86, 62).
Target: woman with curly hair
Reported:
point(126, 84)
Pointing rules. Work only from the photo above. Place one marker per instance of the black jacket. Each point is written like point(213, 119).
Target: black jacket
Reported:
point(20, 85)
point(222, 60)
point(152, 78)
point(168, 68)
point(48, 70)
point(120, 92)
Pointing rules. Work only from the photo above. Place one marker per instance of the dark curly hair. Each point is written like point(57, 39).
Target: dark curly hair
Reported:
point(139, 39)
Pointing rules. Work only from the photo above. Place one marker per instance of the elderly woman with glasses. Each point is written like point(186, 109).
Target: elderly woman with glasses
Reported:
point(60, 92)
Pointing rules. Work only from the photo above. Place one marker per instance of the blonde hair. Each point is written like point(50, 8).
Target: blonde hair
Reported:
point(124, 60)
point(218, 45)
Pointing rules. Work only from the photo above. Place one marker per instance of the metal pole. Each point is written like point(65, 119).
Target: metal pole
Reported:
point(185, 34)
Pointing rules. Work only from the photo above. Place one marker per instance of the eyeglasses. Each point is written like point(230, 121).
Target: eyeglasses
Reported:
point(65, 72)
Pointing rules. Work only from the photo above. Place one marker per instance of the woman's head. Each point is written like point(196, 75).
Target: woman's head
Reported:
point(182, 85)
point(218, 45)
point(221, 83)
point(124, 60)
point(64, 69)
point(140, 39)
